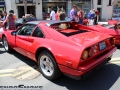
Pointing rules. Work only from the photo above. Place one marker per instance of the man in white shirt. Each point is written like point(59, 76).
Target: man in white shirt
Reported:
point(52, 14)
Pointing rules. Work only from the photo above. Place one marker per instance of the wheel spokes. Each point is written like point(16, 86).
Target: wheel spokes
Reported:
point(46, 65)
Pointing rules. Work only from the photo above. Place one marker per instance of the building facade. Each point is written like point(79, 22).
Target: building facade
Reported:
point(66, 5)
point(37, 7)
point(105, 7)
point(33, 7)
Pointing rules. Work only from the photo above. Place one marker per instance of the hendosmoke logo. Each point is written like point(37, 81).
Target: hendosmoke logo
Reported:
point(21, 87)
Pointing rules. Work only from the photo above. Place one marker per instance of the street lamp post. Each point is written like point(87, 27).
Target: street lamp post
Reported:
point(25, 6)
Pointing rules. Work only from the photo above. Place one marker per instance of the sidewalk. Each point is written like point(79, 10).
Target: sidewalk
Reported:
point(102, 22)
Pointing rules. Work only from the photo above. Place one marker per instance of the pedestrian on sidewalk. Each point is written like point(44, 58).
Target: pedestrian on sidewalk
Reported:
point(98, 15)
point(52, 14)
point(80, 14)
point(62, 15)
point(73, 13)
point(1, 13)
point(91, 16)
point(57, 14)
point(4, 18)
point(11, 19)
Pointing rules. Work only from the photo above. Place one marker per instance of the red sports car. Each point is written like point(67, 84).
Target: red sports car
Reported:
point(110, 29)
point(61, 47)
point(113, 22)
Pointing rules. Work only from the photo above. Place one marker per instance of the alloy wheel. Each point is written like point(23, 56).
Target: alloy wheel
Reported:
point(46, 65)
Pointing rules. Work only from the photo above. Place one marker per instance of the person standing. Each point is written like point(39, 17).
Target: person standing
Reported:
point(57, 15)
point(4, 18)
point(95, 20)
point(1, 14)
point(98, 15)
point(62, 15)
point(11, 18)
point(90, 18)
point(52, 14)
point(93, 16)
point(80, 14)
point(73, 13)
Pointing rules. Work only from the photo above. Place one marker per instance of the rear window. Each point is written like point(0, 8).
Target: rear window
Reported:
point(67, 28)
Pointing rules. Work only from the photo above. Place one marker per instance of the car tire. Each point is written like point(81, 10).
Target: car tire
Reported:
point(6, 45)
point(48, 66)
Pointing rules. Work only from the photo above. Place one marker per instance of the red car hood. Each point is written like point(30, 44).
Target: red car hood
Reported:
point(88, 38)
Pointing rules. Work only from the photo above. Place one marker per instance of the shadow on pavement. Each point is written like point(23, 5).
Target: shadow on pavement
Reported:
point(24, 59)
point(118, 47)
point(1, 51)
point(103, 79)
point(1, 45)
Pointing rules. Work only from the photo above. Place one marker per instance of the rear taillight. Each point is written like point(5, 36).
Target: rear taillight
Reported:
point(112, 41)
point(87, 53)
point(90, 52)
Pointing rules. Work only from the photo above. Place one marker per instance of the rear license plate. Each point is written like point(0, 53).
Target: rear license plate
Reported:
point(102, 45)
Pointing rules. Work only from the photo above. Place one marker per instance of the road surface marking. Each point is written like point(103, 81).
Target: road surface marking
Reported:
point(6, 75)
point(28, 74)
point(6, 72)
point(115, 58)
point(20, 72)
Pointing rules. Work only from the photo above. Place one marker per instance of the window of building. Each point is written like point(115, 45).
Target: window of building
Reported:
point(110, 2)
point(99, 2)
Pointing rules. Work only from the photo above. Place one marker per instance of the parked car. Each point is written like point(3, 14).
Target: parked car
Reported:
point(110, 29)
point(20, 22)
point(113, 22)
point(61, 47)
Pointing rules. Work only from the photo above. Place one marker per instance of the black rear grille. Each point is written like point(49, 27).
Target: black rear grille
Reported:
point(74, 33)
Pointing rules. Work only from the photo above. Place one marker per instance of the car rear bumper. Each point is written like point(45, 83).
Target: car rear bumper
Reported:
point(87, 69)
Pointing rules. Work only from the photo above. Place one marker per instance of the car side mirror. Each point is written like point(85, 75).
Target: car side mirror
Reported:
point(13, 33)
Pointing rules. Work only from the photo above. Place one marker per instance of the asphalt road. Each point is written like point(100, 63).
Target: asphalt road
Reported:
point(107, 78)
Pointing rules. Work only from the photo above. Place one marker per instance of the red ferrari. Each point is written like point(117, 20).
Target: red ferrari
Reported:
point(110, 29)
point(113, 22)
point(61, 47)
